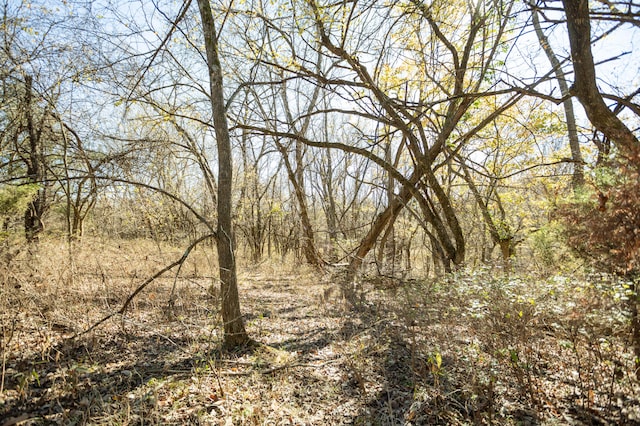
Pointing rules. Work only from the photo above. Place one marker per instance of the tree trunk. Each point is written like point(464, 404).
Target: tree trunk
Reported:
point(456, 254)
point(330, 210)
point(296, 178)
point(33, 224)
point(585, 85)
point(633, 302)
point(234, 331)
point(577, 180)
point(379, 225)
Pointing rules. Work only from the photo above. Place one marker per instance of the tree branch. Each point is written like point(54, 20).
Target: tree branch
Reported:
point(148, 281)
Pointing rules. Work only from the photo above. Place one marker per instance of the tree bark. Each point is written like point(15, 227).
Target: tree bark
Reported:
point(33, 224)
point(234, 331)
point(585, 86)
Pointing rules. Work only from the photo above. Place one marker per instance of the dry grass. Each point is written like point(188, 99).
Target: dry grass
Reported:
point(473, 349)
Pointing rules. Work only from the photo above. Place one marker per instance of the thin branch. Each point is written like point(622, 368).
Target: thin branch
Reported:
point(142, 286)
point(458, 159)
point(174, 25)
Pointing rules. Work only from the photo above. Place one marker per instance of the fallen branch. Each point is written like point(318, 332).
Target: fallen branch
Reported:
point(127, 302)
point(272, 370)
point(265, 371)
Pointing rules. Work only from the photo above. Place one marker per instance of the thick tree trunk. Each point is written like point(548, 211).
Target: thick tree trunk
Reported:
point(585, 86)
point(234, 331)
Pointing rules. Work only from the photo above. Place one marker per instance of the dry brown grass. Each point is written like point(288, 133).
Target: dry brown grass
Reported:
point(473, 349)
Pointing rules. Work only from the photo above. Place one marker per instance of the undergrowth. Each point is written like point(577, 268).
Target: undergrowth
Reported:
point(478, 347)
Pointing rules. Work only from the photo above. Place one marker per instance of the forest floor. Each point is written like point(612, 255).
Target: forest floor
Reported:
point(477, 348)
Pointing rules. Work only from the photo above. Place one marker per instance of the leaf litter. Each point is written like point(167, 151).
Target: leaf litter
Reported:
point(474, 349)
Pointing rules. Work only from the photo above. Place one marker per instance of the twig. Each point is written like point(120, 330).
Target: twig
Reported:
point(173, 288)
point(127, 302)
point(166, 39)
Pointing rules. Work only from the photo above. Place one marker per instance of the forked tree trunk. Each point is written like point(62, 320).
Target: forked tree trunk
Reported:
point(455, 249)
point(234, 331)
point(585, 86)
point(349, 291)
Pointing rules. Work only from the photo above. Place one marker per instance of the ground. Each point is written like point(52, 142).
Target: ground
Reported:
point(479, 347)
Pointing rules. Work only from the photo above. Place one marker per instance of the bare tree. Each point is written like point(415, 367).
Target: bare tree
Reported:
point(234, 331)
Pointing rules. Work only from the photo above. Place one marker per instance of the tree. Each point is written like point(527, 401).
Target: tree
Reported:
point(572, 130)
point(604, 227)
point(254, 211)
point(42, 65)
point(383, 75)
point(234, 331)
point(585, 86)
point(34, 158)
point(296, 176)
point(604, 230)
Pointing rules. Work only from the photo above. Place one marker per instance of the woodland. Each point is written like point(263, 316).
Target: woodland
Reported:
point(319, 212)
